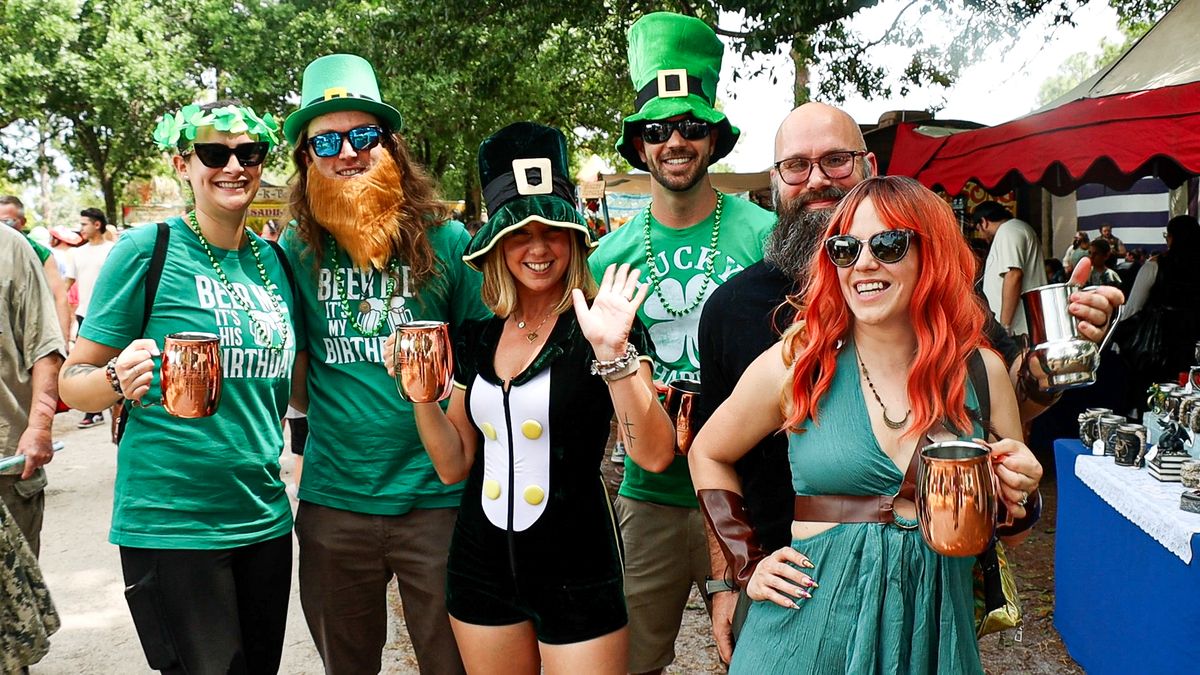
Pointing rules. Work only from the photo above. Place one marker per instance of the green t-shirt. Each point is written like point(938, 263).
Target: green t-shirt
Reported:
point(679, 258)
point(42, 252)
point(212, 482)
point(363, 452)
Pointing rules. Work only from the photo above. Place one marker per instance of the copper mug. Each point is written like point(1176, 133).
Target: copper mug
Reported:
point(190, 376)
point(424, 361)
point(957, 498)
point(683, 399)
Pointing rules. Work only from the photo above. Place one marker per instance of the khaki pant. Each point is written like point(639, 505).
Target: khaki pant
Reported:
point(665, 553)
point(26, 501)
point(347, 560)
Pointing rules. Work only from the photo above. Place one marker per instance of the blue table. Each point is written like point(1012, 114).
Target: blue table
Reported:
point(1123, 603)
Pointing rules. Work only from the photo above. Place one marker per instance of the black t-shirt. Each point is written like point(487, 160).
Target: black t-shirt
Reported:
point(742, 318)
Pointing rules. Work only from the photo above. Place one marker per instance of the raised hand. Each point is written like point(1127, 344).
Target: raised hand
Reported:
point(1094, 308)
point(606, 323)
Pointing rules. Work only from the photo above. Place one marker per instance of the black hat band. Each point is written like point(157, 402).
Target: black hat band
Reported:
point(503, 189)
point(672, 86)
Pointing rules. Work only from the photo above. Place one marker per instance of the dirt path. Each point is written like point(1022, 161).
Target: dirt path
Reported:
point(84, 574)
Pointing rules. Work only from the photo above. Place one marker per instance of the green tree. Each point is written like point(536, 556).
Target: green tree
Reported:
point(104, 71)
point(1082, 65)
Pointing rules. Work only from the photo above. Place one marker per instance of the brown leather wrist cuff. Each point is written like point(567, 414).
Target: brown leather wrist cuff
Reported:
point(726, 514)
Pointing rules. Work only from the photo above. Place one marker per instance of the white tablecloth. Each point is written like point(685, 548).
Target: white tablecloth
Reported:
point(1148, 503)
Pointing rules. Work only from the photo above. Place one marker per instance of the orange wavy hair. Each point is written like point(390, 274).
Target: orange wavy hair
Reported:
point(947, 328)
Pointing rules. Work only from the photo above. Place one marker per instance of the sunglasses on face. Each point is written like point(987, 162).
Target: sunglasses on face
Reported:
point(329, 144)
point(216, 155)
point(12, 222)
point(888, 246)
point(660, 132)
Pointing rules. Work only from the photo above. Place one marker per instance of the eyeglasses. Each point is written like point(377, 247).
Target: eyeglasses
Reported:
point(888, 246)
point(660, 132)
point(216, 155)
point(329, 144)
point(835, 165)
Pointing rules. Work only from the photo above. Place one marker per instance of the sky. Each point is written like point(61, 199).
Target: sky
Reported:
point(1002, 87)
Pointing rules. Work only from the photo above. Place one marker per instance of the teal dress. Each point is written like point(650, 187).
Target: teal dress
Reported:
point(886, 602)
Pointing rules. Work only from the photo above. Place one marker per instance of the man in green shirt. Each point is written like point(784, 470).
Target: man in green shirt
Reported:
point(688, 241)
point(372, 249)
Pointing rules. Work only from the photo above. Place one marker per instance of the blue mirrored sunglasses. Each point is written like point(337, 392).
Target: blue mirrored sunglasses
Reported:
point(329, 144)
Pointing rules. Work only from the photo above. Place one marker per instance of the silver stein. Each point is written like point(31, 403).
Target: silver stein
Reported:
point(1060, 357)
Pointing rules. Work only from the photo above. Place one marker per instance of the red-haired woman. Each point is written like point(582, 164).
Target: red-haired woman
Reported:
point(877, 369)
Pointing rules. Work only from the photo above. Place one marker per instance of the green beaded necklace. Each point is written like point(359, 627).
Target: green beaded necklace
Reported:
point(339, 289)
point(657, 279)
point(261, 332)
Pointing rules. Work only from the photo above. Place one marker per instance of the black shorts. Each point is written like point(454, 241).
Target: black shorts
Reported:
point(561, 613)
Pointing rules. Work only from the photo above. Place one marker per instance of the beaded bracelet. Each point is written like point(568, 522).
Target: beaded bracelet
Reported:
point(621, 367)
point(110, 374)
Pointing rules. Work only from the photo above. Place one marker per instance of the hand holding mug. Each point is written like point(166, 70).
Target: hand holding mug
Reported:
point(1018, 474)
point(135, 368)
point(389, 354)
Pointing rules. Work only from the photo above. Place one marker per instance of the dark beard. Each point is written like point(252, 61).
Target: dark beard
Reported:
point(797, 234)
point(678, 183)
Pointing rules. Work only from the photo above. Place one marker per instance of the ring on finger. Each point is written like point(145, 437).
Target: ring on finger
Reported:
point(1024, 498)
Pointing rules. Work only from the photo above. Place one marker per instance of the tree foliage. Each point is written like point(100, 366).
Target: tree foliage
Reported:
point(101, 71)
point(1082, 65)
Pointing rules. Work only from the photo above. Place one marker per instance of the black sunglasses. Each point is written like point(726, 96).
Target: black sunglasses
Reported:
point(216, 155)
point(888, 246)
point(660, 132)
point(329, 144)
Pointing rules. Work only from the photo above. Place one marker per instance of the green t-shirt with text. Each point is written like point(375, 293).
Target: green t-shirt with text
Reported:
point(211, 482)
point(363, 452)
point(679, 258)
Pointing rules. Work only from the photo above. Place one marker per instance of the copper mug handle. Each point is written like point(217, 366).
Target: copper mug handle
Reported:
point(190, 375)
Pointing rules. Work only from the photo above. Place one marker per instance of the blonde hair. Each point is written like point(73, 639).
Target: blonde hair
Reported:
point(499, 290)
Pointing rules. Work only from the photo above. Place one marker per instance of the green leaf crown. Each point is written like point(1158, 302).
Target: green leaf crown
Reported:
point(230, 119)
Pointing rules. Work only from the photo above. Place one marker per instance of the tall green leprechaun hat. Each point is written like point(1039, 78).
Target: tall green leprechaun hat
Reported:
point(523, 170)
point(674, 62)
point(335, 83)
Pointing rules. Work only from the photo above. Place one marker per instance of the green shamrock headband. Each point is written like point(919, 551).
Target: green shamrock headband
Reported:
point(230, 119)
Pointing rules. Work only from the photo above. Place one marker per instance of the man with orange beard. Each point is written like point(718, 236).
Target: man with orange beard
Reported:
point(373, 249)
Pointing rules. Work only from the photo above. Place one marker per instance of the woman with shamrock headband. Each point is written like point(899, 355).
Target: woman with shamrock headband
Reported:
point(199, 511)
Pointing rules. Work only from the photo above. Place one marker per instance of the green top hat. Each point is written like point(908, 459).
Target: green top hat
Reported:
point(674, 62)
point(523, 170)
point(335, 83)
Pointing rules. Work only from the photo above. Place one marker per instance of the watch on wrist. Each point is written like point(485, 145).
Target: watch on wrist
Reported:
point(713, 586)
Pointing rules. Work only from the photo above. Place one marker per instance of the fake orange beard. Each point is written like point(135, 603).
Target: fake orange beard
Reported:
point(360, 212)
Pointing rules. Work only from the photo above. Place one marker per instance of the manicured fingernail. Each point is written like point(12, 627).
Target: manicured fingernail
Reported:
point(805, 594)
point(812, 583)
point(808, 564)
point(154, 351)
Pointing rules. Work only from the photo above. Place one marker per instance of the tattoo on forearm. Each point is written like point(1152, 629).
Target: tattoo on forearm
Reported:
point(628, 426)
point(79, 370)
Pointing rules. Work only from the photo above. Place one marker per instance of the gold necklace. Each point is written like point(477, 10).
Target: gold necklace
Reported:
point(532, 335)
point(886, 420)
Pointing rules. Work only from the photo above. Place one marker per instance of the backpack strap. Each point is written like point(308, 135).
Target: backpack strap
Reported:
point(977, 372)
point(158, 258)
point(154, 274)
point(287, 267)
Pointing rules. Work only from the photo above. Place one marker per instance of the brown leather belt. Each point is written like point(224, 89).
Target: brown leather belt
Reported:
point(858, 508)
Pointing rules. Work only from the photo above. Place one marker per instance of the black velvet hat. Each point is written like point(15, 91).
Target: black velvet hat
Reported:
point(523, 170)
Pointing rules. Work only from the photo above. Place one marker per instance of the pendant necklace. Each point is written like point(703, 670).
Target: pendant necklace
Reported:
point(886, 420)
point(258, 328)
point(657, 279)
point(340, 291)
point(532, 335)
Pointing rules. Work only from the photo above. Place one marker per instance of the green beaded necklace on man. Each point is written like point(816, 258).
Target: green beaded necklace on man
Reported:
point(657, 278)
